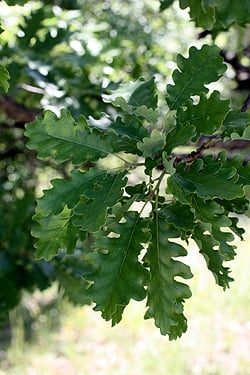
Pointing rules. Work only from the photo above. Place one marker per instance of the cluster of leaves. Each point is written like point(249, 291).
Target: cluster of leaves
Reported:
point(135, 254)
point(91, 237)
point(53, 57)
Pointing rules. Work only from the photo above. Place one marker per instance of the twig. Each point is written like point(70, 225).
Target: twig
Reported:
point(246, 104)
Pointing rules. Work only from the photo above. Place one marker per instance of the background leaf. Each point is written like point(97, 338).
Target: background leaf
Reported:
point(4, 77)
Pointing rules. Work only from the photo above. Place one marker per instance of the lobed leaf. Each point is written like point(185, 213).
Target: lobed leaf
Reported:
point(53, 233)
point(152, 145)
point(200, 68)
point(229, 12)
point(120, 275)
point(166, 295)
point(133, 95)
point(236, 122)
point(207, 182)
point(207, 116)
point(214, 214)
point(201, 15)
point(90, 214)
point(164, 4)
point(68, 192)
point(179, 136)
point(214, 258)
point(217, 15)
point(65, 139)
point(129, 133)
point(243, 170)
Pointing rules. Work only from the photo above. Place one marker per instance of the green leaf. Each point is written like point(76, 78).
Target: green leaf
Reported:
point(165, 294)
point(129, 133)
point(243, 170)
point(207, 116)
point(212, 182)
point(133, 95)
point(217, 15)
point(152, 145)
point(164, 4)
point(214, 258)
point(69, 192)
point(16, 2)
point(65, 139)
point(4, 77)
point(213, 213)
point(229, 12)
point(124, 91)
point(90, 214)
point(179, 215)
point(131, 128)
point(120, 275)
point(201, 67)
point(147, 113)
point(53, 233)
point(203, 17)
point(236, 122)
point(180, 135)
point(144, 95)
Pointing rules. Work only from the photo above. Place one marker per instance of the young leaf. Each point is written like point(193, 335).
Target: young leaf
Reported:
point(200, 68)
point(165, 294)
point(129, 133)
point(63, 138)
point(120, 275)
point(152, 145)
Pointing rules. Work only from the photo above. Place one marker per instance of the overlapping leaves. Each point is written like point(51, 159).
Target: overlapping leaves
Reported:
point(73, 207)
